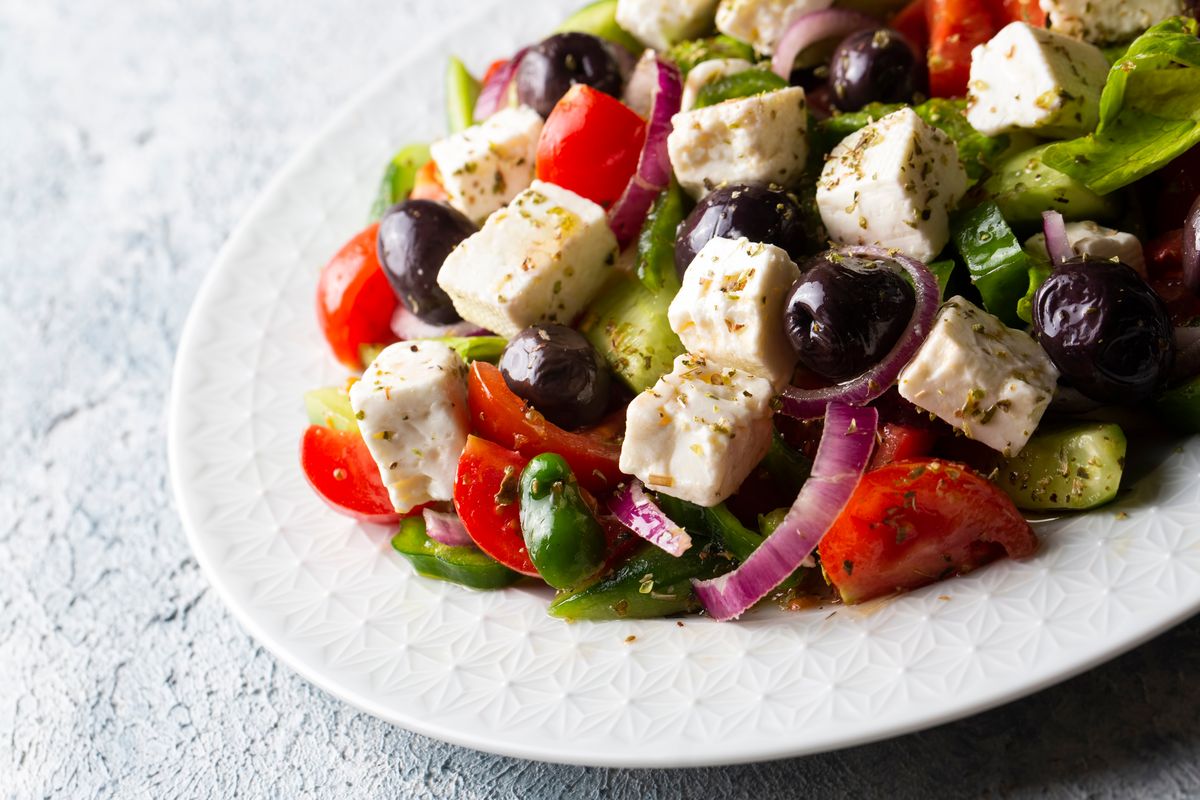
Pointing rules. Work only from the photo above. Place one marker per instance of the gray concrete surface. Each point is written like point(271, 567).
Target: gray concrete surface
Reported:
point(133, 135)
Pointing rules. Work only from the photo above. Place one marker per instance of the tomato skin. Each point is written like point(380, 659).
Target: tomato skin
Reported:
point(340, 470)
point(902, 443)
point(427, 185)
point(911, 21)
point(915, 522)
point(486, 495)
point(499, 415)
point(590, 144)
point(354, 301)
point(955, 27)
point(1006, 11)
point(1164, 263)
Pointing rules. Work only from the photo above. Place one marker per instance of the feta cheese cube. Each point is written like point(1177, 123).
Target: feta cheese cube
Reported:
point(488, 164)
point(759, 139)
point(705, 73)
point(893, 183)
point(411, 405)
point(761, 23)
point(730, 308)
point(988, 380)
point(1027, 78)
point(1095, 241)
point(662, 23)
point(1108, 21)
point(541, 259)
point(698, 432)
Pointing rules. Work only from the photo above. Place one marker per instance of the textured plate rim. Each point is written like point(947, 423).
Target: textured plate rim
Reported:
point(641, 758)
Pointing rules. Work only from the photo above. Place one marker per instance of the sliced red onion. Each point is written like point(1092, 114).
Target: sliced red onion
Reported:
point(654, 164)
point(842, 458)
point(636, 511)
point(1191, 248)
point(1057, 244)
point(493, 95)
point(445, 527)
point(812, 28)
point(811, 403)
point(408, 325)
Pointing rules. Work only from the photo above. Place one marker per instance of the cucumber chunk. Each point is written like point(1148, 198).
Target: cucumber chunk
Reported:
point(330, 408)
point(627, 324)
point(1066, 469)
point(1023, 186)
point(462, 90)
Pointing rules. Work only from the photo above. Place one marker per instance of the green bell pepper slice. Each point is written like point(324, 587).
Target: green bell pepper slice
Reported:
point(656, 242)
point(462, 90)
point(740, 84)
point(687, 55)
point(463, 565)
point(998, 265)
point(564, 539)
point(398, 178)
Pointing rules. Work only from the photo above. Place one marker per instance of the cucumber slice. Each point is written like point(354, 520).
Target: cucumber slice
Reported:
point(1066, 469)
point(462, 90)
point(330, 408)
point(1023, 186)
point(600, 19)
point(627, 324)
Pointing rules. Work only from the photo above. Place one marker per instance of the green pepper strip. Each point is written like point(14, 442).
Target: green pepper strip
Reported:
point(462, 90)
point(565, 540)
point(740, 84)
point(999, 267)
point(464, 565)
point(398, 178)
point(687, 55)
point(656, 242)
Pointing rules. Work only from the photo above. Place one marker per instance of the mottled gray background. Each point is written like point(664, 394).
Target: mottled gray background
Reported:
point(133, 135)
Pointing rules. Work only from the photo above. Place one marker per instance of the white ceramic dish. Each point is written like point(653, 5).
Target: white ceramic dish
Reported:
point(491, 670)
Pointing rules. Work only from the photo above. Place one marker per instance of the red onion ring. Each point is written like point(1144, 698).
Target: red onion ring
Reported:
point(637, 512)
point(654, 164)
point(1191, 248)
point(493, 95)
point(811, 403)
point(814, 27)
point(446, 528)
point(1057, 244)
point(842, 458)
point(407, 325)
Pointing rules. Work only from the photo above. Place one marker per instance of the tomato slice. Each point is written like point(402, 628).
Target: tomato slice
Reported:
point(486, 495)
point(903, 443)
point(427, 184)
point(501, 416)
point(340, 469)
point(354, 301)
point(1164, 261)
point(590, 144)
point(955, 27)
point(912, 23)
point(915, 522)
point(1006, 11)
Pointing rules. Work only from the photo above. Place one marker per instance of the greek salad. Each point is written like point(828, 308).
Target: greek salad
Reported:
point(701, 304)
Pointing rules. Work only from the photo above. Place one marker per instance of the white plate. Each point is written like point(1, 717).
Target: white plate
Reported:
point(492, 670)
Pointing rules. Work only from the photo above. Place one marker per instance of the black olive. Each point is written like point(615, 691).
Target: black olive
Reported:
point(556, 369)
point(761, 214)
point(556, 64)
point(874, 66)
point(415, 237)
point(1105, 329)
point(846, 313)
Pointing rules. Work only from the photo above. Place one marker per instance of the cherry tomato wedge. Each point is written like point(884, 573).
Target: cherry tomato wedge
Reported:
point(955, 27)
point(590, 144)
point(1164, 262)
point(902, 443)
point(911, 22)
point(486, 494)
point(354, 301)
point(427, 185)
point(340, 469)
point(1006, 11)
point(502, 417)
point(915, 522)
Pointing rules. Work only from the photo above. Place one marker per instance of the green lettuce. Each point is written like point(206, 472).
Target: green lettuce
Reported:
point(1149, 111)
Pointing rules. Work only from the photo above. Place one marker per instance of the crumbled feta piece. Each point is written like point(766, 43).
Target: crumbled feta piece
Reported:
point(541, 259)
point(706, 72)
point(1108, 21)
point(988, 380)
point(758, 139)
point(411, 405)
point(1092, 240)
point(698, 432)
point(1027, 78)
point(662, 23)
point(730, 308)
point(761, 23)
point(487, 165)
point(893, 183)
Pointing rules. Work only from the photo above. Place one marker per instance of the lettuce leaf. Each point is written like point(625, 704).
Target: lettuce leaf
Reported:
point(1149, 111)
